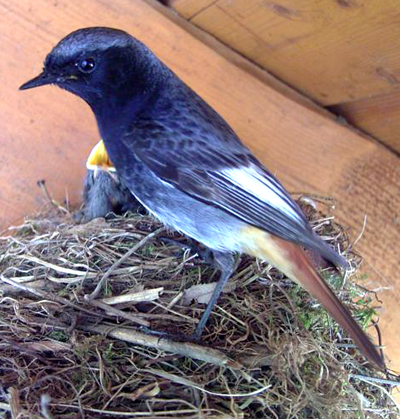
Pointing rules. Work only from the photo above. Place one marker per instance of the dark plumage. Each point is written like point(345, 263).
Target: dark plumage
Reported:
point(186, 165)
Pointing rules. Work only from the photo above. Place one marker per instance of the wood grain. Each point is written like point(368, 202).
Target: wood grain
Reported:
point(236, 58)
point(47, 133)
point(190, 8)
point(378, 116)
point(333, 51)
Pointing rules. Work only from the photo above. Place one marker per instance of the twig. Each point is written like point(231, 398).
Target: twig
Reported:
point(361, 233)
point(373, 383)
point(375, 380)
point(120, 313)
point(173, 413)
point(135, 297)
point(11, 289)
point(183, 316)
point(55, 267)
point(47, 296)
point(181, 348)
point(99, 287)
point(43, 187)
point(175, 300)
point(164, 316)
point(190, 383)
point(21, 286)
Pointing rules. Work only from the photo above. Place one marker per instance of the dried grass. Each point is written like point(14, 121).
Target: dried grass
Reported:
point(269, 349)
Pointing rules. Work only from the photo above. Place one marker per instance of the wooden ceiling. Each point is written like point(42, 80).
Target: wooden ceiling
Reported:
point(344, 54)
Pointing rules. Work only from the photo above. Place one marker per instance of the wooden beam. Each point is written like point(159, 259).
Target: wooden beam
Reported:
point(236, 58)
point(378, 116)
point(47, 133)
point(190, 8)
point(335, 51)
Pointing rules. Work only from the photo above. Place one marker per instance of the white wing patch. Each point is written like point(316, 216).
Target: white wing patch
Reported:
point(266, 189)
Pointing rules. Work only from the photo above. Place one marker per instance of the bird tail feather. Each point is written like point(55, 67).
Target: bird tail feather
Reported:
point(292, 260)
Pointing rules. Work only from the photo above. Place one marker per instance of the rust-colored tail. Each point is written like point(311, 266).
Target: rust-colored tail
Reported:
point(292, 260)
point(306, 275)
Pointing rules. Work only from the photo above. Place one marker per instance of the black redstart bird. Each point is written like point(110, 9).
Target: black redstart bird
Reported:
point(103, 192)
point(186, 165)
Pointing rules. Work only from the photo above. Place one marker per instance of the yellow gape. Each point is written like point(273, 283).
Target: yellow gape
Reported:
point(98, 158)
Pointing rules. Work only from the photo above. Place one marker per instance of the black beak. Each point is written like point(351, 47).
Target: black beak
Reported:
point(40, 80)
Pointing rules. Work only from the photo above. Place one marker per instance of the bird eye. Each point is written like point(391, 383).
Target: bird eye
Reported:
point(86, 65)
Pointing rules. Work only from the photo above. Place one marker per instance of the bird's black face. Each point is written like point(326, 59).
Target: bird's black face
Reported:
point(105, 67)
point(75, 74)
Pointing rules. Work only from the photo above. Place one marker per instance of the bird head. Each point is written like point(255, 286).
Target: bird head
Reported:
point(103, 66)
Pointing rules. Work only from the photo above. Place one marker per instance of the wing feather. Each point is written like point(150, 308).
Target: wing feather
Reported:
point(225, 174)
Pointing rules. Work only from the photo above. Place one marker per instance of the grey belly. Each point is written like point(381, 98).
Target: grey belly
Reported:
point(207, 224)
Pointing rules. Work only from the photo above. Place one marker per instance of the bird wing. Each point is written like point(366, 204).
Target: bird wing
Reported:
point(225, 174)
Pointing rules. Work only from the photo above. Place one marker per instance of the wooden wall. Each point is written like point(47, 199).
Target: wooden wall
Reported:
point(47, 133)
point(344, 54)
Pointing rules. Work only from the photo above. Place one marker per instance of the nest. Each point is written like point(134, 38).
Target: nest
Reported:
point(72, 349)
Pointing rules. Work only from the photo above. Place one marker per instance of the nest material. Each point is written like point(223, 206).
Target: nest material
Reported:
point(68, 350)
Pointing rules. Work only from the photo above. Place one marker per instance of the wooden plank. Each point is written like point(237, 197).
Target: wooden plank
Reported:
point(238, 59)
point(378, 116)
point(190, 8)
point(47, 133)
point(336, 51)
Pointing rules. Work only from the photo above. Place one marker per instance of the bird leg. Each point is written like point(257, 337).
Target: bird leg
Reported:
point(226, 263)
